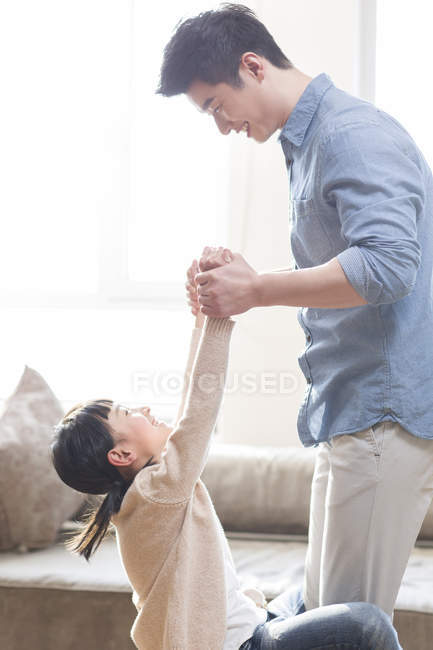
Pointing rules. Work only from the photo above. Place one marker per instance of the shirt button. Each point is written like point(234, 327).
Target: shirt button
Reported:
point(308, 338)
point(308, 380)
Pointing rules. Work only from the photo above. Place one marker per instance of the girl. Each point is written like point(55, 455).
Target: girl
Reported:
point(171, 542)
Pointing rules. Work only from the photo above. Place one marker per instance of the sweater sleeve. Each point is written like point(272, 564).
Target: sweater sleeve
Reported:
point(174, 478)
point(193, 345)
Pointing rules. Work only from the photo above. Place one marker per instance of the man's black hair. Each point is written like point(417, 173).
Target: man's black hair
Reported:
point(209, 47)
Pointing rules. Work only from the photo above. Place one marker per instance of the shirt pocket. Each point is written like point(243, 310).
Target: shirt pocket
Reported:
point(309, 240)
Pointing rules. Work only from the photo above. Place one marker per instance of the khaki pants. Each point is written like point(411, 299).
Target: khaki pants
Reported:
point(370, 493)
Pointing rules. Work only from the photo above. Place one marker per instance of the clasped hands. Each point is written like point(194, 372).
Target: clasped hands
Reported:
point(221, 284)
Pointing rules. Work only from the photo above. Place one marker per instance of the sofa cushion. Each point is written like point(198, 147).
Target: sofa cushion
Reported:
point(260, 489)
point(263, 489)
point(33, 500)
point(57, 568)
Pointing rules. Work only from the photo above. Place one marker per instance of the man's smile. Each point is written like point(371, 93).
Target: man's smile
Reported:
point(245, 127)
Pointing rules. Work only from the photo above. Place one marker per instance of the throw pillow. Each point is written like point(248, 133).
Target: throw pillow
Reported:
point(33, 500)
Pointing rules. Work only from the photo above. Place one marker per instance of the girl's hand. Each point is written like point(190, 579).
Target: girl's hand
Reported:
point(211, 258)
point(191, 288)
point(191, 294)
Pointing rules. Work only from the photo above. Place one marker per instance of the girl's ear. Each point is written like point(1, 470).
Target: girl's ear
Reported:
point(121, 458)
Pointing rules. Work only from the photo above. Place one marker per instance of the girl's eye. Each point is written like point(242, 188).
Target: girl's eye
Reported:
point(216, 109)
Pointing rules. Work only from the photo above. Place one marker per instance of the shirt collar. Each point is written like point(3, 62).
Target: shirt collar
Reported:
point(299, 120)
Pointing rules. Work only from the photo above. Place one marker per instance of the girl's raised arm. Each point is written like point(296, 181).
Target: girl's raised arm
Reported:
point(173, 480)
point(210, 258)
point(191, 292)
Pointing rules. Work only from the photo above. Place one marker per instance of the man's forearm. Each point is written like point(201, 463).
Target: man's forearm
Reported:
point(324, 286)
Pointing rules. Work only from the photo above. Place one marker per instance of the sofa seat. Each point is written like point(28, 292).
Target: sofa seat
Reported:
point(52, 599)
point(56, 568)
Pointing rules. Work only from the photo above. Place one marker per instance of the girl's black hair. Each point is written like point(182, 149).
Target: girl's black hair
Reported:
point(209, 48)
point(79, 449)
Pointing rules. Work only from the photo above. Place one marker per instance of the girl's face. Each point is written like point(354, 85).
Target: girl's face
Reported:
point(138, 436)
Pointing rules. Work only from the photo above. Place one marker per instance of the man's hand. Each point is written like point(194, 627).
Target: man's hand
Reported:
point(228, 289)
point(210, 258)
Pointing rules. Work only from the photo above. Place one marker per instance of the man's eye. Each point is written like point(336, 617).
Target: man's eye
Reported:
point(216, 109)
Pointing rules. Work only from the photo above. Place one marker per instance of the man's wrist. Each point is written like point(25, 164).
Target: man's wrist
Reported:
point(261, 290)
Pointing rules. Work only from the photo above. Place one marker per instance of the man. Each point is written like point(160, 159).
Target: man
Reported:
point(362, 239)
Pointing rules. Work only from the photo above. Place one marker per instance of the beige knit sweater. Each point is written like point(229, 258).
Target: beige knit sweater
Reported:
point(167, 527)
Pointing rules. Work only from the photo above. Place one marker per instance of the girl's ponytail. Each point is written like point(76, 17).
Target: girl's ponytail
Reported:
point(79, 454)
point(97, 521)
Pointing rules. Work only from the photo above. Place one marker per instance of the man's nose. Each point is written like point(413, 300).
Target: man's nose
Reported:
point(222, 125)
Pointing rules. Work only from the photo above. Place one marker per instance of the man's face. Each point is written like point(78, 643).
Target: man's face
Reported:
point(248, 109)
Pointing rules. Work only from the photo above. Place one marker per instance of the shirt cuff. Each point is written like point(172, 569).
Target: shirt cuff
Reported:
point(357, 272)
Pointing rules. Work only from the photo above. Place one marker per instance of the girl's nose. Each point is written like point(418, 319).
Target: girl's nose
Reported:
point(142, 409)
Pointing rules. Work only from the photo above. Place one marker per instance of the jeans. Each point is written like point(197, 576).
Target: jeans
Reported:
point(349, 626)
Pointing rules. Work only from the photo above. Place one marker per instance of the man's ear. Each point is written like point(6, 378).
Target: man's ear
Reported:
point(120, 457)
point(253, 63)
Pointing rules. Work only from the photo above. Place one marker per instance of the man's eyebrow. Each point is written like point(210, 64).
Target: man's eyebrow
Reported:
point(208, 101)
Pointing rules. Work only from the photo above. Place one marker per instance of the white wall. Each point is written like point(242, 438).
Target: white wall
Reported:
point(317, 37)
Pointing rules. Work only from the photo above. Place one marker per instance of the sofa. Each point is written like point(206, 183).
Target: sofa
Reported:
point(51, 599)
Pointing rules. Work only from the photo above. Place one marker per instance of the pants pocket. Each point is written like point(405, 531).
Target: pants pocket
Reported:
point(376, 437)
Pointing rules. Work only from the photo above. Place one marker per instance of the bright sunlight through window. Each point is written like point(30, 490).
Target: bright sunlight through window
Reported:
point(179, 162)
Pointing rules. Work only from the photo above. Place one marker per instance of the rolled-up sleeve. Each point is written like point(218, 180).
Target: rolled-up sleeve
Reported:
point(378, 192)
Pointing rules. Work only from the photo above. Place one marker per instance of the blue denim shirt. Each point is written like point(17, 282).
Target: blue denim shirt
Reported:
point(362, 191)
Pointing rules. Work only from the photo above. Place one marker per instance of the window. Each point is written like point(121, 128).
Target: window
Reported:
point(108, 193)
point(179, 164)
